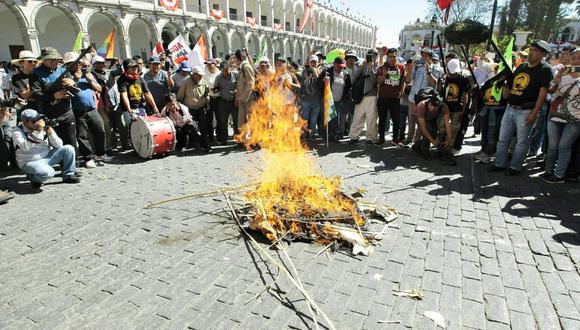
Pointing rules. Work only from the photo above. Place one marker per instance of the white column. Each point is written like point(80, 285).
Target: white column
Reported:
point(207, 8)
point(272, 13)
point(183, 6)
point(284, 16)
point(228, 10)
point(259, 18)
point(33, 38)
point(244, 13)
point(293, 23)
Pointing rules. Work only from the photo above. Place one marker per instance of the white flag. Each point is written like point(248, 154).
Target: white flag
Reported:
point(179, 50)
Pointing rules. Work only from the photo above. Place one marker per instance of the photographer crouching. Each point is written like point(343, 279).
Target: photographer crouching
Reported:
point(38, 148)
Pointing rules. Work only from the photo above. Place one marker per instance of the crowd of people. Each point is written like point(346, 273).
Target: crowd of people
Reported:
point(73, 110)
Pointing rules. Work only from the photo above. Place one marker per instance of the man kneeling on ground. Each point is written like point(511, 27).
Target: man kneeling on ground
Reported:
point(433, 117)
point(38, 148)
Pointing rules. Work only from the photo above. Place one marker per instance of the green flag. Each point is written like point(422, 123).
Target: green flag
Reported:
point(495, 90)
point(78, 45)
point(263, 51)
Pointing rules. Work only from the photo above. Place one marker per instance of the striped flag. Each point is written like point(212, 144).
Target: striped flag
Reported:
point(198, 54)
point(329, 107)
point(107, 49)
point(78, 45)
point(263, 50)
point(158, 49)
point(308, 14)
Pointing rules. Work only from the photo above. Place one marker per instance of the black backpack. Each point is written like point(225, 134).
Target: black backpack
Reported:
point(358, 89)
point(425, 94)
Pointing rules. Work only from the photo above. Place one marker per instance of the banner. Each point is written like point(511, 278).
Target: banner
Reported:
point(107, 49)
point(198, 55)
point(329, 107)
point(179, 50)
point(158, 49)
point(308, 14)
point(171, 5)
point(78, 45)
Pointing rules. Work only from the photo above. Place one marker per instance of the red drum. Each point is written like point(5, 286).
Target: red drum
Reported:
point(152, 136)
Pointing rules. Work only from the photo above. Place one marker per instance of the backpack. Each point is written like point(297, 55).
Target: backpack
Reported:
point(357, 91)
point(425, 94)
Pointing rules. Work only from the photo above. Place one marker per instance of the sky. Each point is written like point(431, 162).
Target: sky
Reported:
point(389, 15)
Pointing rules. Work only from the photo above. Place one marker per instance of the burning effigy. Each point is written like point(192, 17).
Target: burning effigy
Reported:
point(293, 199)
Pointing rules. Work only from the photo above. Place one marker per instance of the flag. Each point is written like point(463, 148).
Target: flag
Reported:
point(198, 55)
point(308, 14)
point(107, 49)
point(445, 5)
point(251, 21)
point(496, 91)
point(78, 45)
point(171, 5)
point(217, 13)
point(329, 107)
point(263, 51)
point(158, 49)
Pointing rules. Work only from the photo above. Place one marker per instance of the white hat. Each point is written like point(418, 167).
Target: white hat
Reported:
point(454, 66)
point(313, 58)
point(70, 57)
point(98, 59)
point(24, 55)
point(197, 69)
point(264, 59)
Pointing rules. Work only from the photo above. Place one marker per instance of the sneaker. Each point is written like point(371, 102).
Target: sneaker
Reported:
point(494, 168)
point(90, 163)
point(78, 173)
point(545, 175)
point(511, 172)
point(553, 179)
point(71, 179)
point(105, 158)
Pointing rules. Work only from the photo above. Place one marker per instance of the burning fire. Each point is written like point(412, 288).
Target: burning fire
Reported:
point(293, 197)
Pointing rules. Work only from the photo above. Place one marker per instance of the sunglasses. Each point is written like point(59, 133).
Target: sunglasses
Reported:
point(30, 61)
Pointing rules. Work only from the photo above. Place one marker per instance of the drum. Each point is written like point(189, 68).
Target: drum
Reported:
point(152, 136)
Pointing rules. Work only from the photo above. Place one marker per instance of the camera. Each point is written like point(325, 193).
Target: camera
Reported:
point(574, 69)
point(50, 122)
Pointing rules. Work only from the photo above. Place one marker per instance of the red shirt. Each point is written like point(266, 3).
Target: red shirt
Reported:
point(390, 87)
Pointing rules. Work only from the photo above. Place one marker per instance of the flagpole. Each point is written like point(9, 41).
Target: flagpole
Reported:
point(327, 144)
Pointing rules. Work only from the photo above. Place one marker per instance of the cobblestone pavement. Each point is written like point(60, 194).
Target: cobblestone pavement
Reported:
point(489, 251)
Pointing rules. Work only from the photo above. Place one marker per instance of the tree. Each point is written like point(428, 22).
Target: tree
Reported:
point(475, 10)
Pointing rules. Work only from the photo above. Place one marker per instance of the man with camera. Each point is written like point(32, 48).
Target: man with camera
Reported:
point(38, 148)
point(366, 110)
point(53, 96)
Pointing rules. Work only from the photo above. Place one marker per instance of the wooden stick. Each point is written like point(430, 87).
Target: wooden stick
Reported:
point(324, 249)
point(266, 288)
point(201, 194)
point(277, 264)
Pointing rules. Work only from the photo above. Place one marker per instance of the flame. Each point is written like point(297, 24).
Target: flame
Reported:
point(293, 196)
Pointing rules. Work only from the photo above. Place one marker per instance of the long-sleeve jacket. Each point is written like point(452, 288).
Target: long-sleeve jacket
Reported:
point(31, 146)
point(370, 78)
point(193, 95)
point(246, 82)
point(43, 86)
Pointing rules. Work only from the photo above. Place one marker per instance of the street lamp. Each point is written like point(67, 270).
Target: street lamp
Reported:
point(433, 22)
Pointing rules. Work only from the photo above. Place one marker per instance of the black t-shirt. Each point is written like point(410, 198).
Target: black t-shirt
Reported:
point(135, 90)
point(20, 84)
point(527, 83)
point(487, 97)
point(455, 87)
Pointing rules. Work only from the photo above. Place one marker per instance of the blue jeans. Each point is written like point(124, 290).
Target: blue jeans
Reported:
point(490, 121)
point(309, 111)
point(538, 135)
point(513, 121)
point(41, 170)
point(561, 138)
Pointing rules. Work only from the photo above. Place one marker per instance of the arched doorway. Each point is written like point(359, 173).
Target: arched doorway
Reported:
point(253, 45)
point(99, 28)
point(279, 49)
point(219, 44)
point(142, 38)
point(194, 34)
point(11, 33)
point(237, 42)
point(168, 33)
point(299, 52)
point(299, 10)
point(55, 28)
point(289, 50)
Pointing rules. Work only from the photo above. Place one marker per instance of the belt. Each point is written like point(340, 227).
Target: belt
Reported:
point(525, 106)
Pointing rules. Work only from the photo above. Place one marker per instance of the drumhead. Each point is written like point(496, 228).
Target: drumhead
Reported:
point(141, 138)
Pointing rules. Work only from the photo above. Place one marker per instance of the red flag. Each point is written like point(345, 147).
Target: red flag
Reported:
point(217, 13)
point(158, 49)
point(444, 4)
point(251, 21)
point(171, 5)
point(308, 14)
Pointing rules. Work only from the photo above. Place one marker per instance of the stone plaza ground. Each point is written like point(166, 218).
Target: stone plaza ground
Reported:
point(489, 251)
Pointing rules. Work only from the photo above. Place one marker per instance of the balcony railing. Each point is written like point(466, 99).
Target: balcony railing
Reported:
point(234, 17)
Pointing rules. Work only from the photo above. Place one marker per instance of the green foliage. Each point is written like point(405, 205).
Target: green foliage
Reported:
point(466, 32)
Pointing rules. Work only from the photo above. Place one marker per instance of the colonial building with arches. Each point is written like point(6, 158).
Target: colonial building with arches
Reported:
point(139, 24)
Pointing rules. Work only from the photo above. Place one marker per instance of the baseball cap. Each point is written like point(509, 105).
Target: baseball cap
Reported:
point(280, 59)
point(454, 66)
point(350, 54)
point(30, 114)
point(435, 57)
point(312, 58)
point(542, 45)
point(210, 61)
point(184, 66)
point(197, 70)
point(340, 60)
point(98, 59)
point(427, 51)
point(154, 59)
point(128, 63)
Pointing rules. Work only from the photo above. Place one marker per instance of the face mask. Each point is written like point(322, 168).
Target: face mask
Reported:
point(130, 75)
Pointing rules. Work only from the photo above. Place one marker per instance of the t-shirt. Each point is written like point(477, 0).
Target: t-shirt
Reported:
point(338, 86)
point(394, 78)
point(487, 97)
point(135, 90)
point(158, 86)
point(85, 99)
point(568, 110)
point(20, 85)
point(527, 83)
point(455, 86)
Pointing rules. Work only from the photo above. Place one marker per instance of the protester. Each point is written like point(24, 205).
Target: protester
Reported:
point(366, 110)
point(38, 149)
point(491, 114)
point(391, 80)
point(194, 94)
point(115, 111)
point(434, 117)
point(52, 96)
point(344, 120)
point(225, 86)
point(185, 131)
point(311, 94)
point(339, 84)
point(245, 86)
point(527, 94)
point(564, 123)
point(455, 89)
point(102, 99)
point(20, 81)
point(6, 148)
point(211, 72)
point(134, 92)
point(159, 82)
